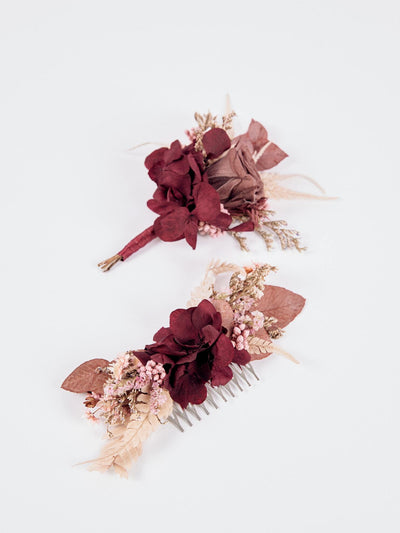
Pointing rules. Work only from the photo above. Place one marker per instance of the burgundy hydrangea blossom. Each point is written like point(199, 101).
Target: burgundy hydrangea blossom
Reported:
point(183, 196)
point(194, 350)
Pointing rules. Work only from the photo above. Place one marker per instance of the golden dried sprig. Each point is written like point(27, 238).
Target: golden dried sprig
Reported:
point(268, 229)
point(252, 285)
point(267, 238)
point(241, 240)
point(288, 238)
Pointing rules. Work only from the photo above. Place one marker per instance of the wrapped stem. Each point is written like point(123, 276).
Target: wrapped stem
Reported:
point(133, 246)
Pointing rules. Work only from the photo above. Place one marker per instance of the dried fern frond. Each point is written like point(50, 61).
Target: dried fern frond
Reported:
point(259, 346)
point(125, 445)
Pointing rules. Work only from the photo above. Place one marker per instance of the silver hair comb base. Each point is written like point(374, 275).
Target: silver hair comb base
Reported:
point(242, 375)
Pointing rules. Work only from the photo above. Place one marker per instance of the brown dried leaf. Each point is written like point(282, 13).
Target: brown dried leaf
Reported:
point(259, 347)
point(280, 303)
point(226, 313)
point(87, 378)
point(126, 444)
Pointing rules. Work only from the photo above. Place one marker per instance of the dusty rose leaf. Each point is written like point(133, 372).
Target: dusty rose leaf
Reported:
point(86, 378)
point(257, 134)
point(226, 313)
point(280, 303)
point(271, 156)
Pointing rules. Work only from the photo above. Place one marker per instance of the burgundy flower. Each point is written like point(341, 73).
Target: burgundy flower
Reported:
point(176, 170)
point(237, 180)
point(183, 196)
point(236, 176)
point(194, 350)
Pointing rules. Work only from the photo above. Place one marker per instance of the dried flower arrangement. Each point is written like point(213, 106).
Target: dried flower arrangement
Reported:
point(200, 353)
point(215, 184)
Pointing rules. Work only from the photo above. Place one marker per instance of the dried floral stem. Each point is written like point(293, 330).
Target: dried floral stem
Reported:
point(267, 237)
point(288, 238)
point(252, 285)
point(276, 349)
point(154, 143)
point(241, 240)
point(109, 263)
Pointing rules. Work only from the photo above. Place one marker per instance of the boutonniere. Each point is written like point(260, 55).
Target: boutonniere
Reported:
point(217, 183)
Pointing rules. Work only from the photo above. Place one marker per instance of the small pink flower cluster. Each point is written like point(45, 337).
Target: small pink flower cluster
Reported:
point(239, 336)
point(157, 399)
point(152, 373)
point(245, 326)
point(209, 229)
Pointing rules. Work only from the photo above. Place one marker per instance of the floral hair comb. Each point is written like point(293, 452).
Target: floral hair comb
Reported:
point(204, 354)
point(215, 184)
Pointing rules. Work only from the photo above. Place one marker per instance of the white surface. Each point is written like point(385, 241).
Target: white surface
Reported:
point(312, 448)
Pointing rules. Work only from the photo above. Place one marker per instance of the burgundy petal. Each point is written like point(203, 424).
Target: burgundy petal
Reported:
point(221, 376)
point(210, 334)
point(241, 357)
point(204, 314)
point(191, 230)
point(223, 352)
point(216, 142)
point(174, 152)
point(143, 356)
point(161, 208)
point(244, 226)
point(155, 157)
point(187, 388)
point(208, 206)
point(181, 325)
point(162, 334)
point(171, 227)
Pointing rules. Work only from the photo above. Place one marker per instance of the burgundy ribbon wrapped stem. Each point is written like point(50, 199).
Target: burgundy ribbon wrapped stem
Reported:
point(133, 246)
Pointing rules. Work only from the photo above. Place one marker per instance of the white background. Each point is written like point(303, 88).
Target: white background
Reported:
point(311, 448)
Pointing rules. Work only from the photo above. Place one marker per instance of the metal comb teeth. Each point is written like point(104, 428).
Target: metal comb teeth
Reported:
point(242, 376)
